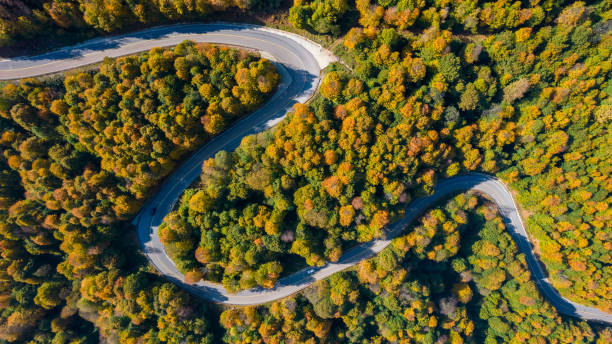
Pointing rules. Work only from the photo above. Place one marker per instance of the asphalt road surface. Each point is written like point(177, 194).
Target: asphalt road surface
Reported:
point(299, 62)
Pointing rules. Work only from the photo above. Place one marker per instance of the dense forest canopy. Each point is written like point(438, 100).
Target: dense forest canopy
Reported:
point(521, 90)
point(456, 277)
point(78, 157)
point(29, 19)
point(531, 105)
point(469, 17)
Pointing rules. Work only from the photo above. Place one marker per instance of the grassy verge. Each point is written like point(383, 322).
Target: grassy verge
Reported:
point(329, 42)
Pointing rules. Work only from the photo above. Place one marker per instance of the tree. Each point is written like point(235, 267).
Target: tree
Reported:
point(51, 294)
point(469, 98)
point(449, 66)
point(516, 90)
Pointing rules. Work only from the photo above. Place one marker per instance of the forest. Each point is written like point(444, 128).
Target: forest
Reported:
point(531, 106)
point(456, 277)
point(429, 89)
point(31, 19)
point(79, 155)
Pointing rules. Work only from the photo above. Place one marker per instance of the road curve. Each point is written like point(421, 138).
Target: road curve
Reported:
point(299, 62)
point(275, 42)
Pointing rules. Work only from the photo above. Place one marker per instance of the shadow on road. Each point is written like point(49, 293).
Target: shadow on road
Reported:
point(114, 42)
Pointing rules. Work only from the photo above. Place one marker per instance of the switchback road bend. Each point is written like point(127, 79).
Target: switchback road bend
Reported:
point(299, 63)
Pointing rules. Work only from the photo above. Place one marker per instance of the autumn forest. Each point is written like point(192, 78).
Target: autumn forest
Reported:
point(424, 90)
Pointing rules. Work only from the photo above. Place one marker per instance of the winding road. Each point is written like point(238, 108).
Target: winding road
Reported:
point(299, 62)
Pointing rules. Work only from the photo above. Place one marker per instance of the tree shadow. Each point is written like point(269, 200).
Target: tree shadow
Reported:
point(123, 40)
